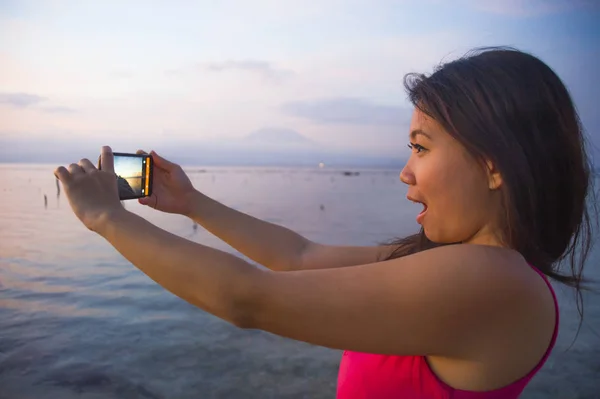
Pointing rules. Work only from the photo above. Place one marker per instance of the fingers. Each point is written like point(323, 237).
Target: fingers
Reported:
point(146, 201)
point(65, 175)
point(87, 166)
point(84, 166)
point(107, 159)
point(62, 174)
point(160, 161)
point(75, 169)
point(151, 201)
point(141, 152)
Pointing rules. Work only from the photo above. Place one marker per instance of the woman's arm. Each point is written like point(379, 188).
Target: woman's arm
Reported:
point(442, 301)
point(272, 245)
point(213, 280)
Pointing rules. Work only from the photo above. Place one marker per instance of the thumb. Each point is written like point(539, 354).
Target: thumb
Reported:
point(160, 161)
point(144, 200)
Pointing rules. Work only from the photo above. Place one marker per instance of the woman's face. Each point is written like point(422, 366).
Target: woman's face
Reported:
point(461, 199)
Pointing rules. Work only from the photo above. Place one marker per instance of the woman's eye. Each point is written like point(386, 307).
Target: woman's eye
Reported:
point(416, 147)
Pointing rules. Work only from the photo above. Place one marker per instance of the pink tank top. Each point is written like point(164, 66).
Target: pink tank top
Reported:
point(364, 375)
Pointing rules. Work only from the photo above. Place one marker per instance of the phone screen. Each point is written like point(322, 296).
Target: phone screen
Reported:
point(134, 175)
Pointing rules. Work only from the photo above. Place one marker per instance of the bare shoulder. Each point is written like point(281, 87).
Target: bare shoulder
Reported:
point(500, 269)
point(485, 271)
point(506, 279)
point(518, 335)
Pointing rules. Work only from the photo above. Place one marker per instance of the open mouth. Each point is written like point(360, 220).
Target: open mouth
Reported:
point(421, 215)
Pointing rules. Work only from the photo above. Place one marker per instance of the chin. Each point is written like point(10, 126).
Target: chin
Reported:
point(438, 237)
point(431, 236)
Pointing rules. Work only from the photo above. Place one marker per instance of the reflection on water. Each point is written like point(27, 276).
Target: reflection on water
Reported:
point(77, 320)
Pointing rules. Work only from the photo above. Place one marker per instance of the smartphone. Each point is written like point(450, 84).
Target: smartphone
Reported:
point(134, 175)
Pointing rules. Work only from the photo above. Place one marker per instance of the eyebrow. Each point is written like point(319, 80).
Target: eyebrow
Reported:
point(416, 132)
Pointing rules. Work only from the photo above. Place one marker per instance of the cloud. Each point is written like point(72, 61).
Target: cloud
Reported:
point(524, 8)
point(21, 100)
point(59, 110)
point(346, 110)
point(33, 101)
point(263, 68)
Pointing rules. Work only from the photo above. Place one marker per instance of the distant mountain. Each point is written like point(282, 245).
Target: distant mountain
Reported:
point(270, 146)
point(272, 136)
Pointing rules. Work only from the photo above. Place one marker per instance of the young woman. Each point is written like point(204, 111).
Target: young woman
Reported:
point(462, 309)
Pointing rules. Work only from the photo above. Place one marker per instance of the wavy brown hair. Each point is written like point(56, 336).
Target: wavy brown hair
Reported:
point(509, 107)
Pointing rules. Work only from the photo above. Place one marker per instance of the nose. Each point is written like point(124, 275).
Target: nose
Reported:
point(407, 176)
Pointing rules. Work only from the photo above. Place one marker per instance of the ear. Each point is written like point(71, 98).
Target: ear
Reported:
point(494, 177)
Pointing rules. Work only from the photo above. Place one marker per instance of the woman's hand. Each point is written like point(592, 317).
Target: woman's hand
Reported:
point(92, 193)
point(172, 189)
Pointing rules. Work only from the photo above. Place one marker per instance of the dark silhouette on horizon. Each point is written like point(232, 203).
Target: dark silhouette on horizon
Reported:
point(125, 189)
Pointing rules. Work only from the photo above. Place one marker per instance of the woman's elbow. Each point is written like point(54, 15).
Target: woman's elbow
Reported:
point(245, 306)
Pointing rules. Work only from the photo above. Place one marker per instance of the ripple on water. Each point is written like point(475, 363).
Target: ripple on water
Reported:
point(79, 321)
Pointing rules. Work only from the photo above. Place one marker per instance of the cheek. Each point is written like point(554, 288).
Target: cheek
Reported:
point(460, 179)
point(443, 181)
point(455, 194)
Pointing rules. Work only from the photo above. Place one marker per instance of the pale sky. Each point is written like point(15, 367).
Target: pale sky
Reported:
point(151, 73)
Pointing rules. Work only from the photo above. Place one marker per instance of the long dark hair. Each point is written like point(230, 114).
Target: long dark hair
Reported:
point(510, 108)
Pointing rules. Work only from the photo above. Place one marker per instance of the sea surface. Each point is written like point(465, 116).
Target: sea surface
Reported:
point(79, 321)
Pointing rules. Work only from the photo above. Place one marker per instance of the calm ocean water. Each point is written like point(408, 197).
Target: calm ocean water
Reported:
point(78, 321)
